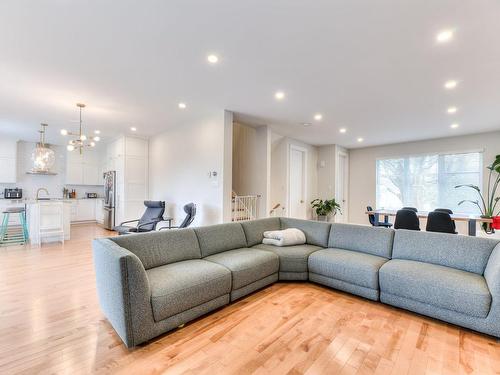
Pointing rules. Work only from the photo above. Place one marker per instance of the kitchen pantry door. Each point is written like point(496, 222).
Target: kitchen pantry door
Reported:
point(297, 183)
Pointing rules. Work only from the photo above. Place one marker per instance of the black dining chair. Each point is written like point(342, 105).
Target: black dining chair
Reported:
point(410, 208)
point(152, 216)
point(438, 221)
point(450, 212)
point(407, 219)
point(371, 219)
point(190, 210)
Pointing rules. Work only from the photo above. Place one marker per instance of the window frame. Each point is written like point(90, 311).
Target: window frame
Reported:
point(439, 155)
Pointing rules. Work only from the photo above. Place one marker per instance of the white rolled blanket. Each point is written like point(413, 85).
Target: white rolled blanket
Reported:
point(286, 237)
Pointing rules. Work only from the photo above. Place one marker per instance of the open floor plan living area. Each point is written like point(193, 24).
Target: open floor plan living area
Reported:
point(250, 187)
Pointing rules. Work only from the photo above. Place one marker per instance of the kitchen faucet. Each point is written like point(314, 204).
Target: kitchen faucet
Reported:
point(38, 193)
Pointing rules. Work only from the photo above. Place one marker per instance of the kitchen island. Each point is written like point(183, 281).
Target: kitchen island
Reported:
point(48, 220)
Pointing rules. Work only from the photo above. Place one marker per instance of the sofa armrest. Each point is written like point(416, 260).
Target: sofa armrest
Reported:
point(492, 272)
point(120, 278)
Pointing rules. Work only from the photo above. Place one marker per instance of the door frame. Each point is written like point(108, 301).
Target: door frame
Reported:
point(305, 175)
point(345, 188)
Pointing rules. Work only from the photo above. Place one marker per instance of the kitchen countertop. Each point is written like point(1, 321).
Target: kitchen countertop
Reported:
point(31, 200)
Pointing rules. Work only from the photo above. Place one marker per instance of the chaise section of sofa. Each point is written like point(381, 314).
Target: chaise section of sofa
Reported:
point(353, 258)
point(448, 277)
point(151, 283)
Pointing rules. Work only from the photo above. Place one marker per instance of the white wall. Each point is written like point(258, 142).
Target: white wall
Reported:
point(180, 162)
point(251, 163)
point(362, 164)
point(280, 162)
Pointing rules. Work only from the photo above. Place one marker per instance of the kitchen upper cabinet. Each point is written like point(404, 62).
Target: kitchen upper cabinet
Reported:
point(74, 173)
point(84, 169)
point(8, 161)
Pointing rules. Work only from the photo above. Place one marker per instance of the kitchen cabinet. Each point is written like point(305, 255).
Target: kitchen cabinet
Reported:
point(8, 161)
point(84, 169)
point(87, 210)
point(99, 213)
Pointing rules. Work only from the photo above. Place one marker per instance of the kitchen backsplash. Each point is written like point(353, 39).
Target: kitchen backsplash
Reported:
point(54, 184)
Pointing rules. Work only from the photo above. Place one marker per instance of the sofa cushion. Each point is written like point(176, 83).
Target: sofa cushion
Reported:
point(346, 265)
point(365, 239)
point(465, 253)
point(316, 232)
point(159, 248)
point(292, 258)
point(214, 239)
point(178, 287)
point(444, 287)
point(254, 229)
point(247, 265)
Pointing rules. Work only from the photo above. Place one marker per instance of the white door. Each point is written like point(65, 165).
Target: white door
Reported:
point(342, 180)
point(297, 178)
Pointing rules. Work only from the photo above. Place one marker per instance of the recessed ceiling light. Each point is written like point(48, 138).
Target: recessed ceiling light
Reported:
point(444, 36)
point(97, 132)
point(97, 139)
point(133, 128)
point(342, 130)
point(182, 105)
point(64, 132)
point(306, 124)
point(280, 95)
point(318, 116)
point(70, 147)
point(92, 144)
point(450, 84)
point(452, 110)
point(360, 139)
point(454, 126)
point(212, 59)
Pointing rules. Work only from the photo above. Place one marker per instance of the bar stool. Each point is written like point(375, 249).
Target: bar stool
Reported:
point(14, 235)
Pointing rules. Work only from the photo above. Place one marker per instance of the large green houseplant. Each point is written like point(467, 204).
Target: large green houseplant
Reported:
point(325, 208)
point(488, 202)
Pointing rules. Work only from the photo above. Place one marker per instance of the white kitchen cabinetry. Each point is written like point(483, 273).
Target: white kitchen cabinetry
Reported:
point(8, 160)
point(128, 156)
point(85, 168)
point(99, 213)
point(87, 210)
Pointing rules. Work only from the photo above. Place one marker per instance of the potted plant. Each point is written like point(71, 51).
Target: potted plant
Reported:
point(325, 208)
point(488, 203)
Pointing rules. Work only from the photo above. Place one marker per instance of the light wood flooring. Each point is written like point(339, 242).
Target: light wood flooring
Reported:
point(50, 323)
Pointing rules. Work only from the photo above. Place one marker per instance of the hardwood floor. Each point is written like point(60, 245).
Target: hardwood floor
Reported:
point(50, 323)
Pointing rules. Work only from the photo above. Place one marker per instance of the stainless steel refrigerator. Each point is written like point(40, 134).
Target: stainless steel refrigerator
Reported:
point(109, 199)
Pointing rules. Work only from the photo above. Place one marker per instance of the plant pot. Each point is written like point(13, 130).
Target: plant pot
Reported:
point(488, 228)
point(322, 217)
point(496, 222)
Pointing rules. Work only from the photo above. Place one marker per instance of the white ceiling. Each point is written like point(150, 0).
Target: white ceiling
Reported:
point(370, 66)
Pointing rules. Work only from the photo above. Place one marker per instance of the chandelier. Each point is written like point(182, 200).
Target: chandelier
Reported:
point(81, 141)
point(43, 157)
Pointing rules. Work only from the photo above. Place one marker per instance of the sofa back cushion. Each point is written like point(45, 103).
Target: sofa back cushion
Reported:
point(215, 239)
point(465, 253)
point(156, 249)
point(316, 232)
point(361, 238)
point(254, 229)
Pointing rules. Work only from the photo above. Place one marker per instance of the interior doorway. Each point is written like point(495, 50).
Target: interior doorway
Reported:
point(297, 182)
point(342, 186)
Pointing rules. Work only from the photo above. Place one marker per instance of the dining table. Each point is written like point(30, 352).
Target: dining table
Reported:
point(471, 220)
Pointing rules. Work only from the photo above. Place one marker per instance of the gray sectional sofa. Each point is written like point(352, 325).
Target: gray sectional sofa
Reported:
point(151, 283)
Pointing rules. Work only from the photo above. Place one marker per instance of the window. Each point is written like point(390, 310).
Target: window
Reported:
point(428, 181)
